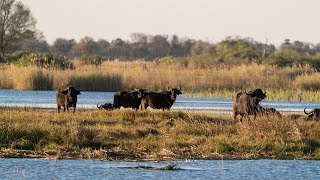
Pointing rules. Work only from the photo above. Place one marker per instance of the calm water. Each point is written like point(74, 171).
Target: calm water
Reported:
point(46, 99)
point(216, 169)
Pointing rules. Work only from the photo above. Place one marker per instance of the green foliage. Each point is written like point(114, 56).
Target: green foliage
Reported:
point(44, 60)
point(289, 57)
point(14, 56)
point(237, 51)
point(91, 60)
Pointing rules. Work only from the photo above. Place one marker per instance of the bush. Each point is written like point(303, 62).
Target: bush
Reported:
point(45, 60)
point(14, 56)
point(288, 57)
point(91, 60)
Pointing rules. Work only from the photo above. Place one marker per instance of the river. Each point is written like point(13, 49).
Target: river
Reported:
point(214, 169)
point(89, 100)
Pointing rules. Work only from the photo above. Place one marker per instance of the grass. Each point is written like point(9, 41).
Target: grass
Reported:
point(160, 135)
point(288, 83)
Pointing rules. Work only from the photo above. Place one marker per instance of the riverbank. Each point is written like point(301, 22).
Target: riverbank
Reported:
point(127, 135)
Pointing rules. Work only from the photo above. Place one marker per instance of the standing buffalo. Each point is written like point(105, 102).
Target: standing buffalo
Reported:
point(162, 100)
point(128, 99)
point(106, 106)
point(67, 98)
point(314, 113)
point(247, 103)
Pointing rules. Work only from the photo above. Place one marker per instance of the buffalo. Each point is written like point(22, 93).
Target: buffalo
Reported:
point(160, 100)
point(313, 114)
point(128, 99)
point(106, 106)
point(269, 112)
point(247, 103)
point(67, 97)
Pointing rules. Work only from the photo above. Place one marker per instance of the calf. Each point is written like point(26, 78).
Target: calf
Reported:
point(106, 106)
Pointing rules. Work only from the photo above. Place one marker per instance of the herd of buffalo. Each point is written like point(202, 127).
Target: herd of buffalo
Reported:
point(244, 103)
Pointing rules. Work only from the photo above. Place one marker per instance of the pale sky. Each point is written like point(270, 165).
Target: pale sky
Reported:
point(210, 20)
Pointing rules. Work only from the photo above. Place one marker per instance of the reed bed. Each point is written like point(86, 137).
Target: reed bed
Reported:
point(160, 135)
point(288, 83)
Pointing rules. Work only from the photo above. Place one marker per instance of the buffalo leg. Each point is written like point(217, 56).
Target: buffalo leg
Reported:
point(58, 108)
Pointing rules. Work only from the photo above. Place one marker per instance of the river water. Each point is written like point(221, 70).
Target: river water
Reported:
point(89, 100)
point(214, 169)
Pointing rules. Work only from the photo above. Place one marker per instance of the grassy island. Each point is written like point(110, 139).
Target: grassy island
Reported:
point(159, 135)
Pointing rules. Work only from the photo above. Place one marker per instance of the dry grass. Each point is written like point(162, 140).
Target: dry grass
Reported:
point(290, 83)
point(159, 135)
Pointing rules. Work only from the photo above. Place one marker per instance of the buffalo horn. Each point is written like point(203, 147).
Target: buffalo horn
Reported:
point(307, 112)
point(178, 88)
point(98, 106)
point(265, 92)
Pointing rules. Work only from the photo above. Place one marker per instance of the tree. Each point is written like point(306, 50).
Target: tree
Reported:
point(63, 47)
point(86, 46)
point(159, 46)
point(16, 21)
point(139, 45)
point(34, 42)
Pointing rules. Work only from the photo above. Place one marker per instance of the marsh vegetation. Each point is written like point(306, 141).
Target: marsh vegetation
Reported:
point(160, 135)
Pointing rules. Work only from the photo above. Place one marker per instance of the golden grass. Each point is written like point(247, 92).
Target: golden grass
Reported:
point(159, 135)
point(289, 83)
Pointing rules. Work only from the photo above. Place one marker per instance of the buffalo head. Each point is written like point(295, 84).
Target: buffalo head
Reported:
point(257, 93)
point(314, 113)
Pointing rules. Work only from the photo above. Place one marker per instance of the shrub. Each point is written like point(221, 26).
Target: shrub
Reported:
point(14, 56)
point(91, 60)
point(45, 60)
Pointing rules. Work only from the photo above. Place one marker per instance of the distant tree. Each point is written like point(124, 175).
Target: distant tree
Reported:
point(176, 48)
point(159, 46)
point(140, 45)
point(63, 47)
point(119, 49)
point(16, 21)
point(103, 46)
point(86, 46)
point(34, 42)
point(297, 46)
point(201, 47)
point(237, 50)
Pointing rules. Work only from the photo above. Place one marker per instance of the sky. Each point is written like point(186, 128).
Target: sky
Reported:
point(209, 20)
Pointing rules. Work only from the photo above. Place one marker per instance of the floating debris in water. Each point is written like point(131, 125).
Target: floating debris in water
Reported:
point(168, 167)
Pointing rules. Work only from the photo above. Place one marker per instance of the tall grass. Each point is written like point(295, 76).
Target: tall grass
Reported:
point(288, 83)
point(159, 135)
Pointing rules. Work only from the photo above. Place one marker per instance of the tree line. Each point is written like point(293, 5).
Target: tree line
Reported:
point(19, 38)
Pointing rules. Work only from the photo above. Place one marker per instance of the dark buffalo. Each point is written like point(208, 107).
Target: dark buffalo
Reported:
point(314, 113)
point(128, 99)
point(247, 103)
point(67, 97)
point(269, 112)
point(106, 106)
point(160, 100)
